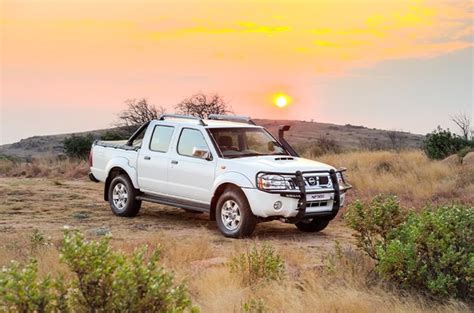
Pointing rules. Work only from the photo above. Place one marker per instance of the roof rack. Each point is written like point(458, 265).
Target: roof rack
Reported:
point(232, 118)
point(189, 117)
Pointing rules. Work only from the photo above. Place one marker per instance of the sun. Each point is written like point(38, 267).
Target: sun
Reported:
point(281, 100)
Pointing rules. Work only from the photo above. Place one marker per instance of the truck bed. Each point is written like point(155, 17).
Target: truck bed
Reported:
point(118, 144)
point(107, 154)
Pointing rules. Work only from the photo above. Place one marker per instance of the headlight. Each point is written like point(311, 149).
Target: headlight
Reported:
point(340, 181)
point(271, 182)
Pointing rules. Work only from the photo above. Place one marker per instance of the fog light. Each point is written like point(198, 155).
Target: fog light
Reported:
point(277, 205)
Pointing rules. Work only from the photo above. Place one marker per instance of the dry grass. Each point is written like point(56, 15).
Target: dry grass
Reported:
point(319, 278)
point(343, 282)
point(45, 167)
point(410, 175)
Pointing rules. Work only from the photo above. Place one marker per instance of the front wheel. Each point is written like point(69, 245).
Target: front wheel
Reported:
point(122, 197)
point(233, 214)
point(312, 225)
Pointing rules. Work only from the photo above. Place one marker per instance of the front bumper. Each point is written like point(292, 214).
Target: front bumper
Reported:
point(295, 204)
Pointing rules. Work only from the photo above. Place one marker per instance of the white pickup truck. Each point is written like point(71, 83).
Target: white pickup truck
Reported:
point(225, 166)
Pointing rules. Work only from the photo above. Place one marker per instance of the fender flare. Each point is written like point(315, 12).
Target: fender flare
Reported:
point(123, 164)
point(229, 178)
point(234, 178)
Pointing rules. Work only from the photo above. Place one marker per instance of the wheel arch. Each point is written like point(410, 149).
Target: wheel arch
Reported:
point(218, 192)
point(113, 172)
point(228, 180)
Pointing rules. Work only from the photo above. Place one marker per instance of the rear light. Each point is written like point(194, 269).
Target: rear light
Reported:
point(90, 158)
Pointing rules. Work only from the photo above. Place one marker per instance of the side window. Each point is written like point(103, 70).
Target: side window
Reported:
point(189, 139)
point(161, 138)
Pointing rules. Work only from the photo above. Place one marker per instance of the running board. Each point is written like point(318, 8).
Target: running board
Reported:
point(185, 204)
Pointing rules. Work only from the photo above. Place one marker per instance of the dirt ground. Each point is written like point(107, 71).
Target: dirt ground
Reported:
point(317, 276)
point(48, 205)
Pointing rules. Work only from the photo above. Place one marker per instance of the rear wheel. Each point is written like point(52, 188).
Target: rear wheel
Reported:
point(233, 214)
point(312, 225)
point(122, 197)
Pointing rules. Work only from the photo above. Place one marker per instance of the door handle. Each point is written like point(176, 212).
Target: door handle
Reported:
point(147, 158)
point(174, 162)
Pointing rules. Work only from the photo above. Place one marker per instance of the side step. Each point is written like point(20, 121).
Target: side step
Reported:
point(185, 204)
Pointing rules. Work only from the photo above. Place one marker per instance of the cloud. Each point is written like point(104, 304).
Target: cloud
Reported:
point(207, 28)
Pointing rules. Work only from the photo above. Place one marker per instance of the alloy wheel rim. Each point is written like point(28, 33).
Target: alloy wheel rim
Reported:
point(230, 215)
point(120, 196)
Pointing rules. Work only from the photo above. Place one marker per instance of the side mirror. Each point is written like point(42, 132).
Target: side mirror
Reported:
point(202, 153)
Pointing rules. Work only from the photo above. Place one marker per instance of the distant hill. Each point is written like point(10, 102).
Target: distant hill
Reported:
point(301, 134)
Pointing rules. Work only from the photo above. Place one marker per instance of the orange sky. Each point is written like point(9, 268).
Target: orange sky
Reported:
point(77, 57)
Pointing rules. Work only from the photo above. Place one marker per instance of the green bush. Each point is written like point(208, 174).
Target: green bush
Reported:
point(464, 151)
point(433, 251)
point(442, 143)
point(21, 290)
point(108, 281)
point(78, 146)
point(105, 281)
point(257, 265)
point(374, 221)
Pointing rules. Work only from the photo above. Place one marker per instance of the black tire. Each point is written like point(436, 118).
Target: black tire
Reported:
point(312, 225)
point(247, 220)
point(131, 206)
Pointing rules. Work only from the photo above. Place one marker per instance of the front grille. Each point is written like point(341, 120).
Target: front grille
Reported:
point(323, 180)
point(313, 181)
point(314, 204)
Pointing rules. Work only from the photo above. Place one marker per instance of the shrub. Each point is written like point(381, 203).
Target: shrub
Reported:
point(22, 290)
point(108, 281)
point(442, 143)
point(78, 146)
point(374, 221)
point(430, 251)
point(464, 151)
point(433, 251)
point(257, 265)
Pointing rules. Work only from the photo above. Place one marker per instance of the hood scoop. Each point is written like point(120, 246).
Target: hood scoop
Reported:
point(284, 159)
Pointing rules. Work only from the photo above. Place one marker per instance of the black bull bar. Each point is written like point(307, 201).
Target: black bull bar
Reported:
point(301, 194)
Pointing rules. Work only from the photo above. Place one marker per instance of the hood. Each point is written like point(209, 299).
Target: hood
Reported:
point(250, 166)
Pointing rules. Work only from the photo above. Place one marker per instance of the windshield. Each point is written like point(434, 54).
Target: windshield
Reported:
point(243, 142)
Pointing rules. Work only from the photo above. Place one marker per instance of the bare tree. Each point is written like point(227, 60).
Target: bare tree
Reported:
point(138, 112)
point(463, 121)
point(397, 139)
point(202, 105)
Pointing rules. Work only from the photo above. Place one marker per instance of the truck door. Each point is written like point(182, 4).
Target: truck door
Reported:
point(153, 159)
point(191, 177)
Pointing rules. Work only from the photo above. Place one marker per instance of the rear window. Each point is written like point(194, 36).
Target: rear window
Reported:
point(161, 138)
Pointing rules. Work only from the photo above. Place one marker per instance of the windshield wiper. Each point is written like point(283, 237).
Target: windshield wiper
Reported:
point(244, 155)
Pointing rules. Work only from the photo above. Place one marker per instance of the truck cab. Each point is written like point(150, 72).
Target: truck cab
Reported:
point(225, 166)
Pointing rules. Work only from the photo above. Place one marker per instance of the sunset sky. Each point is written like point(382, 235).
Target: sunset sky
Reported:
point(70, 65)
